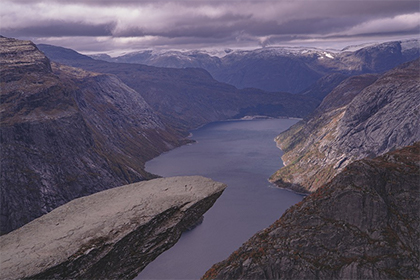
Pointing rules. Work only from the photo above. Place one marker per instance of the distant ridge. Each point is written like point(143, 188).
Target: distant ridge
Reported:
point(289, 69)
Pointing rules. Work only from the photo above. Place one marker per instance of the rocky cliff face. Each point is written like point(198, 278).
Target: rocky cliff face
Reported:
point(364, 224)
point(112, 234)
point(364, 116)
point(67, 133)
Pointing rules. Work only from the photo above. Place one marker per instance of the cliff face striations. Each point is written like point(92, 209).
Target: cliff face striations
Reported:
point(364, 224)
point(66, 133)
point(364, 116)
point(112, 234)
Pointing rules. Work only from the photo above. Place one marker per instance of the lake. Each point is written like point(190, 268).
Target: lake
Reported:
point(241, 154)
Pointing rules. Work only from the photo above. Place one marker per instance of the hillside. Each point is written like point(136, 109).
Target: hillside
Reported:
point(364, 224)
point(364, 116)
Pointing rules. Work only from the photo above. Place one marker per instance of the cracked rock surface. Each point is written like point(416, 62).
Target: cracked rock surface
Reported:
point(112, 234)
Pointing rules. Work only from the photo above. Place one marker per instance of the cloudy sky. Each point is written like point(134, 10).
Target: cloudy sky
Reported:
point(117, 26)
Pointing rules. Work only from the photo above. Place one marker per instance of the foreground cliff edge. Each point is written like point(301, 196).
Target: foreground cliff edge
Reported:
point(112, 234)
point(364, 224)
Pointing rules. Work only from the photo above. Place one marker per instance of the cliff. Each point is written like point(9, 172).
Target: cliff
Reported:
point(364, 224)
point(67, 133)
point(112, 234)
point(364, 116)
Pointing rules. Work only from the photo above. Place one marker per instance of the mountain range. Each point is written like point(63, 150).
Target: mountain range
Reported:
point(189, 97)
point(67, 132)
point(288, 69)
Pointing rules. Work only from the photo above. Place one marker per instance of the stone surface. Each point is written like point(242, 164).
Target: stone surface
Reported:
point(364, 116)
point(364, 224)
point(112, 234)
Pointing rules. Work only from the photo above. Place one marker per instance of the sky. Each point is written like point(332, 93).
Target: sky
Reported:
point(116, 27)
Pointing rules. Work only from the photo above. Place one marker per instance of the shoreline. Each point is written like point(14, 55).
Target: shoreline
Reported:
point(246, 118)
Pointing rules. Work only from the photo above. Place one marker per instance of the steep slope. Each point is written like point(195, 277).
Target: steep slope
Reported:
point(362, 117)
point(188, 98)
point(286, 69)
point(112, 234)
point(68, 135)
point(364, 224)
point(324, 86)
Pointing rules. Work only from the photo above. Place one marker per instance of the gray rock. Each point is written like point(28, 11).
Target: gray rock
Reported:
point(112, 234)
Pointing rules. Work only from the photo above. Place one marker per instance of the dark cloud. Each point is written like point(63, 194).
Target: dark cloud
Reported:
point(201, 23)
point(54, 28)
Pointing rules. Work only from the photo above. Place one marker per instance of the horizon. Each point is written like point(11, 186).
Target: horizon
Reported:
point(218, 51)
point(114, 28)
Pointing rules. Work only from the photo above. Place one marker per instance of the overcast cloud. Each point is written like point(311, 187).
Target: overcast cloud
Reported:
point(125, 25)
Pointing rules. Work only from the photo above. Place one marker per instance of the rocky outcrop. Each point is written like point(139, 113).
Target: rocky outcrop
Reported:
point(364, 116)
point(30, 60)
point(364, 224)
point(112, 234)
point(67, 133)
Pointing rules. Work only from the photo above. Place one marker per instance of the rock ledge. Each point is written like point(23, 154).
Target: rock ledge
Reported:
point(112, 234)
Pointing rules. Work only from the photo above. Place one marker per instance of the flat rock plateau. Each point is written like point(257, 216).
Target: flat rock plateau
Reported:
point(112, 234)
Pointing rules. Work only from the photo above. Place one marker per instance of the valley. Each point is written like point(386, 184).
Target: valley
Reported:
point(74, 128)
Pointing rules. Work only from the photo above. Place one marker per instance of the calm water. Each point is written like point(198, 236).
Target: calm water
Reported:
point(243, 155)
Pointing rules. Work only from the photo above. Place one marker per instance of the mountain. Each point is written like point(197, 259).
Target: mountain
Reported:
point(188, 98)
point(286, 69)
point(112, 234)
point(364, 116)
point(364, 224)
point(67, 133)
